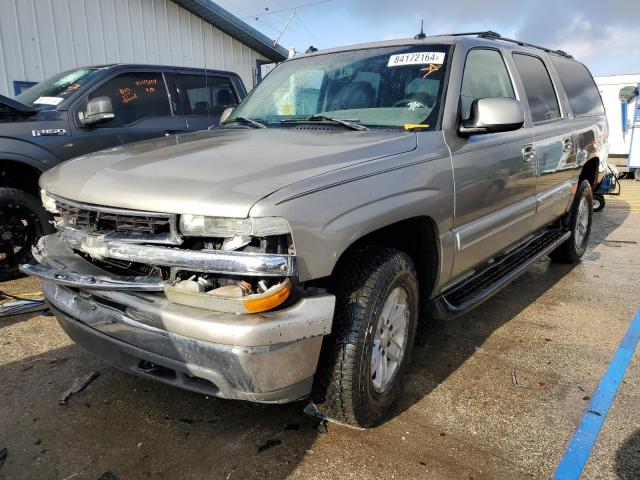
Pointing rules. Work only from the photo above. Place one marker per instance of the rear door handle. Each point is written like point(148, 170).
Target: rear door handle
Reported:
point(528, 153)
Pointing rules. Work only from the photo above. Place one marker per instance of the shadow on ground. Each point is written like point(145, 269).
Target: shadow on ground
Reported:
point(628, 458)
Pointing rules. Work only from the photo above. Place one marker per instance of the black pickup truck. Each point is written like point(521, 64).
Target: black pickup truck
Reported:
point(88, 109)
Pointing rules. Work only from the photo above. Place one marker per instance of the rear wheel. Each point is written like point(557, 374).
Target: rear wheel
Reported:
point(364, 359)
point(578, 222)
point(22, 222)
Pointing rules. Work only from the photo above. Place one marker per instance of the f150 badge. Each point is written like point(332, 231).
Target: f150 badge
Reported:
point(49, 132)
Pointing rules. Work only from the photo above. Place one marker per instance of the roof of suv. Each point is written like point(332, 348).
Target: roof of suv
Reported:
point(481, 38)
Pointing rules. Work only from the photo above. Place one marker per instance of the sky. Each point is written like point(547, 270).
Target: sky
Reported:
point(605, 35)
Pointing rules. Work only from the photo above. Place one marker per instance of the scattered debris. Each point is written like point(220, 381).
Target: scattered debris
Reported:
point(514, 380)
point(78, 385)
point(3, 455)
point(140, 444)
point(272, 442)
point(442, 434)
point(586, 398)
point(71, 476)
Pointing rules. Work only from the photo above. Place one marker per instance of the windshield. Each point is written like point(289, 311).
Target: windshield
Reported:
point(377, 87)
point(47, 94)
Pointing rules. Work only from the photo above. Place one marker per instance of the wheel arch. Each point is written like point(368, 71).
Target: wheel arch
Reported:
point(20, 175)
point(417, 237)
point(589, 172)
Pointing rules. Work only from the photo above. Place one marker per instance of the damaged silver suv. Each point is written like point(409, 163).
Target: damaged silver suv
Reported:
point(353, 193)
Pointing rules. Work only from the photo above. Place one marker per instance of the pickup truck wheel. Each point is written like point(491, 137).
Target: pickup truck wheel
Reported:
point(364, 359)
point(579, 223)
point(23, 221)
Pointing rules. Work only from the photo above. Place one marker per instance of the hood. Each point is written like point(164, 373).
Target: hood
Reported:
point(221, 172)
point(8, 105)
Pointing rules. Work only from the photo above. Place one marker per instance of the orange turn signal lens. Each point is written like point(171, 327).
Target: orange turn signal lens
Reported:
point(269, 299)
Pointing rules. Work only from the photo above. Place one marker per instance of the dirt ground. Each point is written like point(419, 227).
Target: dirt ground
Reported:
point(460, 415)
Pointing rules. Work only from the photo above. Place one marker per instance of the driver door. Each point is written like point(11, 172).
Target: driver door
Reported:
point(494, 173)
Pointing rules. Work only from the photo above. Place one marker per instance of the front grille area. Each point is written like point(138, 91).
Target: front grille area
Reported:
point(112, 220)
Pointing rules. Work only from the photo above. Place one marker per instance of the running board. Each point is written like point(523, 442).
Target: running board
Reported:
point(503, 270)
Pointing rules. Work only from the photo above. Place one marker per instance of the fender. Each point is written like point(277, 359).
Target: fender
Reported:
point(26, 152)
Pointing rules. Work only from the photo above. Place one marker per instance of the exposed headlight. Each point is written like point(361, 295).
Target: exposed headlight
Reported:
point(202, 226)
point(48, 203)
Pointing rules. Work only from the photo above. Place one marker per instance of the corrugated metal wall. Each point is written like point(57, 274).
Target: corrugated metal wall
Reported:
point(41, 37)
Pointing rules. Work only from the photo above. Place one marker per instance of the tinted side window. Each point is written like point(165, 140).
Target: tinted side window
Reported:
point(543, 102)
point(134, 96)
point(583, 94)
point(205, 95)
point(485, 76)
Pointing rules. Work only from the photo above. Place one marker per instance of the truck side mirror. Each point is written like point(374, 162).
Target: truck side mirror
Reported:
point(99, 110)
point(491, 115)
point(225, 114)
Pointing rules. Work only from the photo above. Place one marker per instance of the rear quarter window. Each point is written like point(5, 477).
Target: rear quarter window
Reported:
point(578, 83)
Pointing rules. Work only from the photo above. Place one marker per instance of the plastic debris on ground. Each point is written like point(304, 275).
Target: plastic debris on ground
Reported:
point(78, 385)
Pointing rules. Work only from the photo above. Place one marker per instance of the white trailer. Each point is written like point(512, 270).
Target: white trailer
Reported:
point(623, 121)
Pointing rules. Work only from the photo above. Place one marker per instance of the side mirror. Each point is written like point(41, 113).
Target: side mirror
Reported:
point(491, 115)
point(99, 110)
point(225, 114)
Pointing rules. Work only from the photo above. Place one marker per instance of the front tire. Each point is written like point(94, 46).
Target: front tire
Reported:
point(23, 221)
point(364, 359)
point(579, 221)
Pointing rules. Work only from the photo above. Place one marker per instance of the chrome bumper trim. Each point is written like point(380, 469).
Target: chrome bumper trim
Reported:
point(94, 282)
point(213, 261)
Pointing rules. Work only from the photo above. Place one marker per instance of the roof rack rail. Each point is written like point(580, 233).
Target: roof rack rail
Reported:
point(494, 36)
point(490, 35)
point(465, 34)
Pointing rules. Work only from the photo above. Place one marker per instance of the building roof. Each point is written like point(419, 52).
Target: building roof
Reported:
point(233, 26)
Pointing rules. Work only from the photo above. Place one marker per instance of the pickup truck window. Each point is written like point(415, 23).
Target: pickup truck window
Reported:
point(578, 83)
point(204, 95)
point(543, 102)
point(377, 87)
point(485, 76)
point(134, 96)
point(47, 94)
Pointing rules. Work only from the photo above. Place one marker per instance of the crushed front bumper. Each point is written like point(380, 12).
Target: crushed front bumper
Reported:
point(266, 357)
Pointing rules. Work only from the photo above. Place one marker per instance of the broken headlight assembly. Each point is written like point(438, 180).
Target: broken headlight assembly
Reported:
point(203, 226)
point(49, 203)
point(232, 293)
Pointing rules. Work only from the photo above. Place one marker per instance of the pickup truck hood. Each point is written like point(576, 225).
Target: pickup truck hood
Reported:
point(221, 172)
point(13, 106)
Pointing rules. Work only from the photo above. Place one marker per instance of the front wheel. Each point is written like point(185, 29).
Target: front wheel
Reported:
point(578, 222)
point(364, 359)
point(23, 221)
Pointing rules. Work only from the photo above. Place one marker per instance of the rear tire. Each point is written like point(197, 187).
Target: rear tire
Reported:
point(578, 222)
point(364, 359)
point(23, 221)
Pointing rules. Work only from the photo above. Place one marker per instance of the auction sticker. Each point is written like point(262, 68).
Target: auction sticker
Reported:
point(48, 100)
point(416, 58)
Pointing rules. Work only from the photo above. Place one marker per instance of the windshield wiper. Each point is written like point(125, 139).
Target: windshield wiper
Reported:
point(247, 121)
point(314, 118)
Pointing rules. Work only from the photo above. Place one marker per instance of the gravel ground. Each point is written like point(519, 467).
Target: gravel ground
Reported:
point(460, 415)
